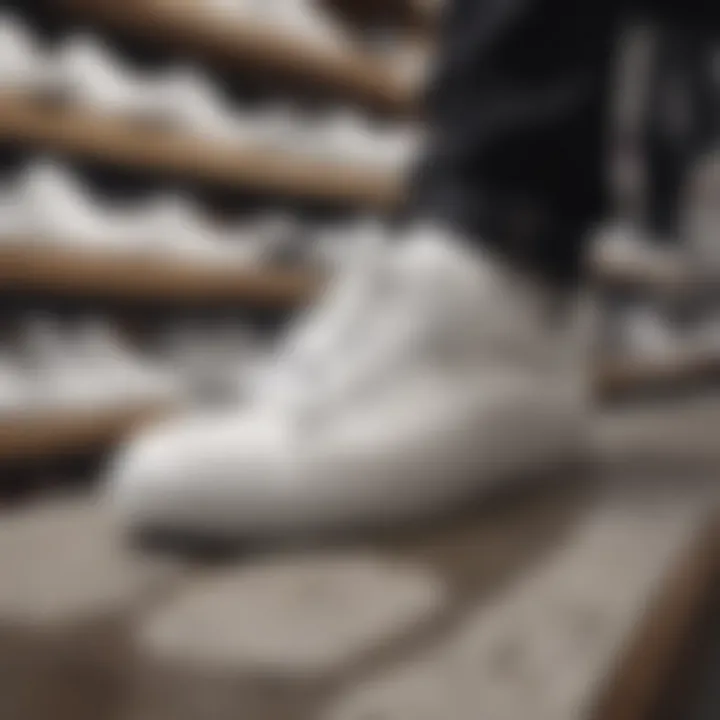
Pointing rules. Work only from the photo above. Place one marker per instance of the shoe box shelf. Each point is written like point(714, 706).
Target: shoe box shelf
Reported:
point(347, 74)
point(618, 377)
point(43, 434)
point(408, 14)
point(667, 278)
point(96, 274)
point(79, 133)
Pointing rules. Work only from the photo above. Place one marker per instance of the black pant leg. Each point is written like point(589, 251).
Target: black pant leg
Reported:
point(517, 117)
point(677, 119)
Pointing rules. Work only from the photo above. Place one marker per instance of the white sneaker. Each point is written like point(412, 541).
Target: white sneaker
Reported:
point(48, 206)
point(280, 127)
point(62, 378)
point(704, 338)
point(216, 364)
point(88, 367)
point(300, 19)
point(648, 335)
point(349, 137)
point(428, 375)
point(275, 238)
point(195, 105)
point(623, 251)
point(16, 393)
point(101, 351)
point(23, 65)
point(87, 73)
point(172, 226)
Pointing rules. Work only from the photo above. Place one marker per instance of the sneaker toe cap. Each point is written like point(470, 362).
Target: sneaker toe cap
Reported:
point(213, 474)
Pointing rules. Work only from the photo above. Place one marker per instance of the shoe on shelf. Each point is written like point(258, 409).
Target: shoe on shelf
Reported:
point(277, 239)
point(23, 63)
point(398, 147)
point(300, 19)
point(646, 334)
point(87, 367)
point(347, 136)
point(172, 226)
point(62, 380)
point(704, 337)
point(624, 250)
point(283, 128)
point(99, 347)
point(47, 206)
point(195, 104)
point(87, 73)
point(16, 392)
point(216, 363)
point(427, 375)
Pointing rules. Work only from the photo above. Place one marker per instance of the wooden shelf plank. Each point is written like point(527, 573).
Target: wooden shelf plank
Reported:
point(79, 133)
point(40, 434)
point(665, 278)
point(618, 377)
point(31, 267)
point(347, 73)
point(408, 14)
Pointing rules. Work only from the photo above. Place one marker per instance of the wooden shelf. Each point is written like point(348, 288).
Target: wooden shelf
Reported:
point(185, 24)
point(78, 133)
point(409, 14)
point(28, 267)
point(665, 278)
point(620, 377)
point(41, 434)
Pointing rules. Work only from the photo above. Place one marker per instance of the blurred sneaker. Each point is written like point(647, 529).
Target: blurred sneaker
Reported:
point(278, 239)
point(348, 137)
point(87, 73)
point(23, 64)
point(301, 19)
point(87, 368)
point(428, 375)
point(216, 363)
point(48, 206)
point(16, 392)
point(646, 334)
point(398, 147)
point(282, 128)
point(194, 103)
point(61, 380)
point(173, 226)
point(705, 337)
point(623, 251)
point(100, 350)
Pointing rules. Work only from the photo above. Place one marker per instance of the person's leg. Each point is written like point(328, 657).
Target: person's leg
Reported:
point(676, 132)
point(517, 118)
